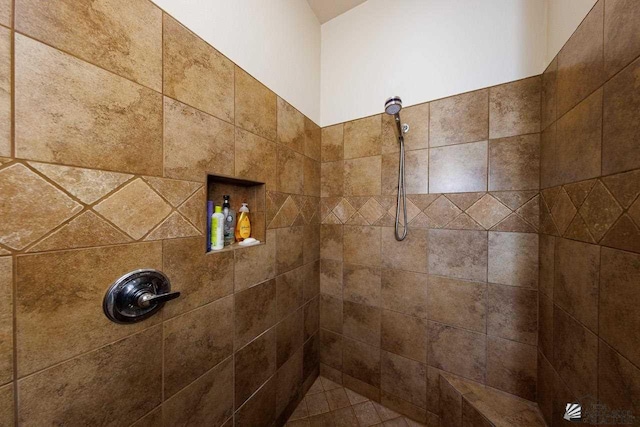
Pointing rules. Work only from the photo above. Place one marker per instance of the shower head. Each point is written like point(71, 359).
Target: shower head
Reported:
point(393, 105)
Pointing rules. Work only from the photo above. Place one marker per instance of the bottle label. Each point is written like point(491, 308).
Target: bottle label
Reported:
point(245, 228)
point(214, 234)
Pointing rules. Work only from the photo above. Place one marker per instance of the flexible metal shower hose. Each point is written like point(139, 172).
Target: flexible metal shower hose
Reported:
point(402, 195)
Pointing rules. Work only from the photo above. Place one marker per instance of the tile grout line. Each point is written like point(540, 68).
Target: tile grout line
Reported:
point(14, 258)
point(162, 335)
point(162, 111)
point(12, 47)
point(14, 287)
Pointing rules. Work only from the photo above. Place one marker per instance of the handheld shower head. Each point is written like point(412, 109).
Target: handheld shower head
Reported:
point(393, 105)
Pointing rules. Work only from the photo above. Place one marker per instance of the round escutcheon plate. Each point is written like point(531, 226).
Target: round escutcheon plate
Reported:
point(137, 295)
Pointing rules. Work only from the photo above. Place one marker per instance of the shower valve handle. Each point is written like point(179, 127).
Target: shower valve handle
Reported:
point(137, 295)
point(145, 299)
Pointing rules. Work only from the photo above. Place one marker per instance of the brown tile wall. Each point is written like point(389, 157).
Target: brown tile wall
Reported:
point(589, 299)
point(108, 130)
point(460, 293)
point(520, 194)
point(112, 115)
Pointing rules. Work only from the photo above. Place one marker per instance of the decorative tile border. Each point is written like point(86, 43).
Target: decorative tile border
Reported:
point(515, 211)
point(51, 207)
point(604, 211)
point(286, 210)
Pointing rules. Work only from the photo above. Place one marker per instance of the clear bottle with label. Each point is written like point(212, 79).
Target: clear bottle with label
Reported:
point(229, 221)
point(243, 227)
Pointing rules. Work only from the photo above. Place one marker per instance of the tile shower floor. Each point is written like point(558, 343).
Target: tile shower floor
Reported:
point(328, 404)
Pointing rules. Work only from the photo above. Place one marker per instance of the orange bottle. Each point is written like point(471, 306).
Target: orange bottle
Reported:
point(243, 226)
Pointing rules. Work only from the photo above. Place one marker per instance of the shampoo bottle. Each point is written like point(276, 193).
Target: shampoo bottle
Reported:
point(243, 228)
point(217, 227)
point(229, 222)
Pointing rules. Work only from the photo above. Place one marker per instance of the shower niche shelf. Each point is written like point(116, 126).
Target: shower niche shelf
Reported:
point(240, 191)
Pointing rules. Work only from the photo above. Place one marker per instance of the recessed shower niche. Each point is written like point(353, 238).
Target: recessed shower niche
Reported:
point(240, 191)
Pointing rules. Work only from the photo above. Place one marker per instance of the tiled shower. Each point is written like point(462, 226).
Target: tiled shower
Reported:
point(519, 280)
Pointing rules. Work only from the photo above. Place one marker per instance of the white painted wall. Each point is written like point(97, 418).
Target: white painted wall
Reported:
point(423, 50)
point(276, 41)
point(563, 17)
point(419, 49)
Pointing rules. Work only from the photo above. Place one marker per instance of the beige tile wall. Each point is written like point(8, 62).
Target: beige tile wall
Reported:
point(120, 114)
point(589, 217)
point(460, 293)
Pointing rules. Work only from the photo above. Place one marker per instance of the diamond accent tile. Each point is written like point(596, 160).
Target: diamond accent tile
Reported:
point(372, 211)
point(299, 200)
point(4, 252)
point(331, 219)
point(286, 216)
point(578, 230)
point(600, 211)
point(464, 200)
point(623, 235)
point(386, 221)
point(135, 209)
point(442, 211)
point(422, 221)
point(422, 201)
point(412, 210)
point(274, 203)
point(344, 210)
point(514, 223)
point(357, 219)
point(30, 207)
point(175, 191)
point(298, 221)
point(625, 187)
point(488, 211)
point(464, 222)
point(563, 211)
point(324, 209)
point(387, 201)
point(634, 212)
point(327, 205)
point(331, 202)
point(278, 199)
point(85, 230)
point(514, 199)
point(550, 196)
point(173, 227)
point(357, 202)
point(193, 209)
point(579, 191)
point(310, 208)
point(547, 226)
point(88, 185)
point(530, 212)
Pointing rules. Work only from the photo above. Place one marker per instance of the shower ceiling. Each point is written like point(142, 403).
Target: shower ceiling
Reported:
point(326, 10)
